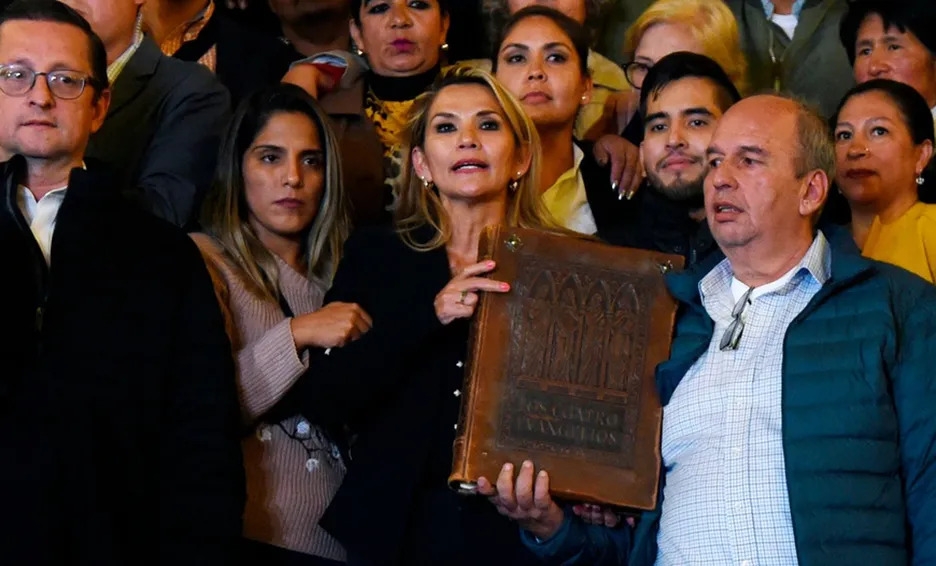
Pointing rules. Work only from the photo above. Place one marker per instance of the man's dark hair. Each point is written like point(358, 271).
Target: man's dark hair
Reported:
point(914, 16)
point(682, 65)
point(55, 11)
point(356, 9)
point(576, 32)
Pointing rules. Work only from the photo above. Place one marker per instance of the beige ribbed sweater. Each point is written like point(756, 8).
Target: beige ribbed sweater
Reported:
point(287, 491)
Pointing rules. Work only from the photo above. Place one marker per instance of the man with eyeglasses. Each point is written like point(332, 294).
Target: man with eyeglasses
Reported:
point(117, 393)
point(798, 400)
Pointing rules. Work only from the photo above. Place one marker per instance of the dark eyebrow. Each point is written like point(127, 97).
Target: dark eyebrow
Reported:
point(279, 149)
point(656, 116)
point(699, 111)
point(515, 46)
point(451, 116)
point(555, 44)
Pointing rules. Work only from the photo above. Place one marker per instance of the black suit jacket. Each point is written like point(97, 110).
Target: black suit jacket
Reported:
point(162, 132)
point(394, 389)
point(117, 391)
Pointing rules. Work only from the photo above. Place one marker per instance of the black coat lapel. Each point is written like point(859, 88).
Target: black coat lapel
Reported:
point(135, 75)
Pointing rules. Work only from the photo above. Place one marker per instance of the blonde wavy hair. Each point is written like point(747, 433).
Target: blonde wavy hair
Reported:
point(710, 22)
point(417, 207)
point(224, 214)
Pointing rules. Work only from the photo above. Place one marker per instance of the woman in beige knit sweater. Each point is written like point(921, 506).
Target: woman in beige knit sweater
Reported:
point(274, 224)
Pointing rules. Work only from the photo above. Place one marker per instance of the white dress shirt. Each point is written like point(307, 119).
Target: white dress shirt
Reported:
point(41, 215)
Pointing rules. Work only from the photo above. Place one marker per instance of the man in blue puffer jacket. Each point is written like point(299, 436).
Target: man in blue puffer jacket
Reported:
point(799, 420)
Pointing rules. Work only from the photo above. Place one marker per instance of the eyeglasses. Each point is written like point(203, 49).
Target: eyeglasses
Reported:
point(635, 73)
point(732, 335)
point(17, 80)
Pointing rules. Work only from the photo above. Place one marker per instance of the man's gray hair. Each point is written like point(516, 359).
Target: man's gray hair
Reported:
point(816, 149)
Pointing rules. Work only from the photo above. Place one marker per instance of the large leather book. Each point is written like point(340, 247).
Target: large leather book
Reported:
point(561, 368)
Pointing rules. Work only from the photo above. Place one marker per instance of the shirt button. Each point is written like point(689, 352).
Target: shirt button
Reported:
point(739, 506)
point(746, 563)
point(736, 450)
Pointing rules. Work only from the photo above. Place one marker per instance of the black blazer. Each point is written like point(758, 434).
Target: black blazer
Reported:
point(162, 132)
point(394, 388)
point(117, 391)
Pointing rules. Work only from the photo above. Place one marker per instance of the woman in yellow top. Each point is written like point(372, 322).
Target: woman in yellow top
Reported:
point(883, 141)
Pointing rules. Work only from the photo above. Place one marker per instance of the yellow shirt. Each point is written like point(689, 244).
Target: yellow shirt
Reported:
point(567, 201)
point(908, 242)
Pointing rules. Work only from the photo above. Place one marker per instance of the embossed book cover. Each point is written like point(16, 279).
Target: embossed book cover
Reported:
point(561, 368)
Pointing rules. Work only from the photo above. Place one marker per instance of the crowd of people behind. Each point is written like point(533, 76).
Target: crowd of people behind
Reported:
point(241, 263)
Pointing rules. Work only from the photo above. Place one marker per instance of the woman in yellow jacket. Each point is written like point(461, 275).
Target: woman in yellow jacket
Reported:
point(883, 142)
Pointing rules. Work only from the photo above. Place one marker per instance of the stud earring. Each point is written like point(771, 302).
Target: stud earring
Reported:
point(445, 47)
point(920, 180)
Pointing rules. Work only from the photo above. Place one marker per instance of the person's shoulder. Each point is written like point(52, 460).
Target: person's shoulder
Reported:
point(209, 247)
point(483, 64)
point(183, 77)
point(606, 73)
point(926, 215)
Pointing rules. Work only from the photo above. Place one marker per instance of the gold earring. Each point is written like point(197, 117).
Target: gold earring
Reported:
point(427, 184)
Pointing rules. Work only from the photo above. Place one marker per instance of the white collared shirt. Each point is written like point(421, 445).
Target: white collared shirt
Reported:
point(41, 215)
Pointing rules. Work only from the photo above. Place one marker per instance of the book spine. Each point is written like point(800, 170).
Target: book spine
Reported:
point(459, 479)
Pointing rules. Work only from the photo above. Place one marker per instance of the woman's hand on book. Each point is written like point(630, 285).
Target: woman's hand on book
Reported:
point(459, 298)
point(527, 501)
